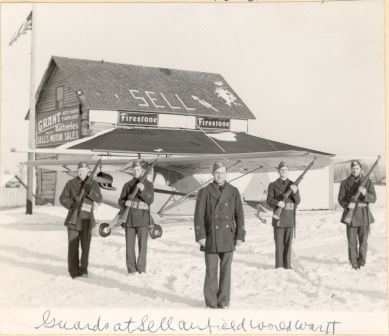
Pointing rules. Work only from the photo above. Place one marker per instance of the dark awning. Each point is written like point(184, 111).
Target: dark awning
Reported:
point(169, 141)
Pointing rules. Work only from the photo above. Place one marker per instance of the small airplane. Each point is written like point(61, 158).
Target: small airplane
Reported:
point(176, 178)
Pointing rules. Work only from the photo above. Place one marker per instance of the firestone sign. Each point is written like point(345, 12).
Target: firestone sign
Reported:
point(57, 127)
point(143, 119)
point(212, 123)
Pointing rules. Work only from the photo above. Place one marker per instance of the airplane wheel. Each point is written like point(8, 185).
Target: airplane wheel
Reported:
point(104, 230)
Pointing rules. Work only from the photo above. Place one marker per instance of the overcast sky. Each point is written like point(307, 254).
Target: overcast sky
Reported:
point(311, 73)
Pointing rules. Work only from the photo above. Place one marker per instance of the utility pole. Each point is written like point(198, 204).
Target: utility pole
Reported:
point(1, 113)
point(31, 125)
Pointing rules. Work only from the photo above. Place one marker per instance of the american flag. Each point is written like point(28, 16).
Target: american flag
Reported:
point(24, 28)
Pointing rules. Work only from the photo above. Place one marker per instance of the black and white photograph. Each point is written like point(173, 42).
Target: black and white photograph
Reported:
point(193, 168)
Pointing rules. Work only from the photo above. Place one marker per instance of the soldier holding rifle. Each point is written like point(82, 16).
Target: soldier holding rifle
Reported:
point(355, 194)
point(135, 200)
point(79, 196)
point(284, 215)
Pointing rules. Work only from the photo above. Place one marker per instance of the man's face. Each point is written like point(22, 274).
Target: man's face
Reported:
point(83, 173)
point(137, 171)
point(220, 175)
point(283, 172)
point(356, 170)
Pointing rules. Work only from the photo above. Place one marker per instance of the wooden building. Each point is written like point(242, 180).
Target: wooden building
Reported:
point(128, 108)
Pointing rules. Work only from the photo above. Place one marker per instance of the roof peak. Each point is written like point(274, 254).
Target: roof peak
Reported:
point(109, 62)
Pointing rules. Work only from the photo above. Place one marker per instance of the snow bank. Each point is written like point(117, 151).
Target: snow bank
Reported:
point(33, 261)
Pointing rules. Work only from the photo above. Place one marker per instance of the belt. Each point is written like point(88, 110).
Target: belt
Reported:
point(361, 205)
point(139, 205)
point(86, 207)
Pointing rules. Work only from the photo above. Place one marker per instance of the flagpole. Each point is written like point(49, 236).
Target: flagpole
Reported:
point(31, 125)
point(1, 113)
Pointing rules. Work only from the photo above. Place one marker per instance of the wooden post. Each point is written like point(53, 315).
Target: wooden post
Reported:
point(31, 128)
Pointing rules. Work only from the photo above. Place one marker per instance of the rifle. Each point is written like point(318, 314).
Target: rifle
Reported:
point(82, 194)
point(347, 219)
point(286, 194)
point(123, 214)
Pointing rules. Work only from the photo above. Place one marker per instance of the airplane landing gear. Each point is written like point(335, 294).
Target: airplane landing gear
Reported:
point(104, 230)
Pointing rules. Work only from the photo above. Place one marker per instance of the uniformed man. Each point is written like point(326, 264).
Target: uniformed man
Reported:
point(79, 231)
point(358, 229)
point(219, 227)
point(284, 227)
point(138, 220)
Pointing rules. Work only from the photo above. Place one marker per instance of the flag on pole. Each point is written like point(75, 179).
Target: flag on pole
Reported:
point(24, 28)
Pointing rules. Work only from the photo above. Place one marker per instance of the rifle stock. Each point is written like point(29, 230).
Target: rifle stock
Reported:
point(277, 212)
point(347, 219)
point(76, 210)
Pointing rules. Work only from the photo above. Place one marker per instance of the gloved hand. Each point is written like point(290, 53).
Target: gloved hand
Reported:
point(294, 188)
point(202, 242)
point(238, 243)
point(362, 190)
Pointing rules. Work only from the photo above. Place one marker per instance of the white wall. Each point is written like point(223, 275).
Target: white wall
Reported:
point(173, 120)
point(12, 197)
point(239, 125)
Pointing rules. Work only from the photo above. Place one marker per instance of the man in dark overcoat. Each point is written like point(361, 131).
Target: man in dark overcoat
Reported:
point(284, 226)
point(358, 229)
point(219, 227)
point(80, 229)
point(138, 220)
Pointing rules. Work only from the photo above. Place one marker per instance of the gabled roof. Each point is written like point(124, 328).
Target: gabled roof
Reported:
point(106, 86)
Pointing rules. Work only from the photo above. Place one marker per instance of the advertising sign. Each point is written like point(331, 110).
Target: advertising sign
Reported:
point(212, 123)
point(57, 127)
point(139, 119)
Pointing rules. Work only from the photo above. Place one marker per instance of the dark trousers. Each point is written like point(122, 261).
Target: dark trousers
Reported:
point(217, 291)
point(357, 244)
point(283, 237)
point(75, 238)
point(136, 264)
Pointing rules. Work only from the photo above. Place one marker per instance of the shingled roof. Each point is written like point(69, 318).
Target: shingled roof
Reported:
point(107, 86)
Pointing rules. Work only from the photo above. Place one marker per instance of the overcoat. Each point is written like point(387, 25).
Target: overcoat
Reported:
point(68, 200)
point(275, 193)
point(362, 214)
point(137, 217)
point(219, 218)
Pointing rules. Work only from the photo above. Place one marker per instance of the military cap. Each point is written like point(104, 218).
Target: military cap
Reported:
point(355, 163)
point(282, 164)
point(217, 165)
point(82, 164)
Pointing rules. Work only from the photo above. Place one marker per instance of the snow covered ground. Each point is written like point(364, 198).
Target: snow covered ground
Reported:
point(33, 266)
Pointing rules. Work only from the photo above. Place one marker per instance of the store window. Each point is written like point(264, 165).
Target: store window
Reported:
point(59, 97)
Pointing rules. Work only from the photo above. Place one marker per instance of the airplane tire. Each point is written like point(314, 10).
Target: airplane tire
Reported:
point(104, 230)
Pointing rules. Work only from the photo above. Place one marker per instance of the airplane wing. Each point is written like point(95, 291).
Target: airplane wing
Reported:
point(197, 164)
